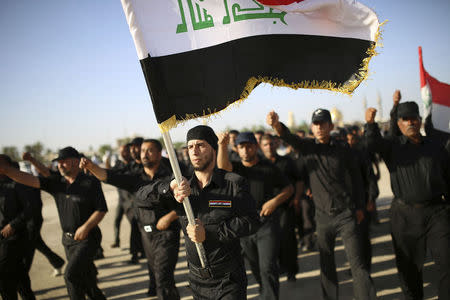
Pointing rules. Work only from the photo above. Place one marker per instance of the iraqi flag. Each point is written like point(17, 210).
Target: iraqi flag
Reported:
point(435, 97)
point(199, 56)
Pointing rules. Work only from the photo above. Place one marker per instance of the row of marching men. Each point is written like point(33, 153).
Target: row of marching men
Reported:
point(243, 207)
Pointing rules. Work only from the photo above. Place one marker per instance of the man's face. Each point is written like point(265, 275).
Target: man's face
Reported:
point(258, 137)
point(321, 129)
point(351, 140)
point(125, 153)
point(232, 138)
point(201, 154)
point(268, 147)
point(247, 151)
point(409, 126)
point(135, 151)
point(150, 155)
point(301, 134)
point(68, 166)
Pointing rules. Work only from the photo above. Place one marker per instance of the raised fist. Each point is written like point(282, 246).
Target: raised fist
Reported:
point(397, 97)
point(272, 119)
point(370, 115)
point(85, 164)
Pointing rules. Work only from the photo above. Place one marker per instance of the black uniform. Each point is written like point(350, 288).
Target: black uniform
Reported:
point(123, 205)
point(262, 248)
point(227, 211)
point(33, 234)
point(288, 239)
point(336, 184)
point(420, 211)
point(305, 221)
point(76, 202)
point(370, 194)
point(15, 210)
point(130, 211)
point(161, 247)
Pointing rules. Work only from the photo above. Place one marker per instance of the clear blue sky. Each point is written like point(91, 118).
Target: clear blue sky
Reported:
point(69, 73)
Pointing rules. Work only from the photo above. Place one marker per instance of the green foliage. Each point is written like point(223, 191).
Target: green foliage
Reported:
point(252, 128)
point(36, 150)
point(12, 152)
point(302, 126)
point(123, 141)
point(103, 149)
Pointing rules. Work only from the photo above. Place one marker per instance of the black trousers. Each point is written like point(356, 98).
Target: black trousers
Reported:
point(305, 222)
point(135, 235)
point(228, 286)
point(120, 211)
point(366, 246)
point(80, 273)
point(161, 249)
point(328, 226)
point(261, 251)
point(35, 242)
point(54, 259)
point(12, 269)
point(413, 230)
point(24, 286)
point(288, 241)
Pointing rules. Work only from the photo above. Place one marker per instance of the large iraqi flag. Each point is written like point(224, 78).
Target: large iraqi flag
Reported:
point(435, 97)
point(199, 56)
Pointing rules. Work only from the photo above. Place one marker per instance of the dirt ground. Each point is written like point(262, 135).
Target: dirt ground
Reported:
point(120, 280)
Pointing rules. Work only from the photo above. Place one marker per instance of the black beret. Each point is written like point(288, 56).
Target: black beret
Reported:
point(202, 132)
point(407, 110)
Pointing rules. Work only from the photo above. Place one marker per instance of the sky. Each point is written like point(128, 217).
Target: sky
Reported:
point(69, 74)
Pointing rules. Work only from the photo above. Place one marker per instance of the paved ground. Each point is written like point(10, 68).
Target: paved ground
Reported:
point(120, 280)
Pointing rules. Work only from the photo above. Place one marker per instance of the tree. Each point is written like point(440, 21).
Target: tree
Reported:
point(103, 149)
point(303, 126)
point(35, 150)
point(12, 152)
point(123, 141)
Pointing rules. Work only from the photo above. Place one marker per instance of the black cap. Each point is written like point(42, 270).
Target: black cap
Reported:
point(246, 137)
point(408, 109)
point(68, 152)
point(137, 141)
point(321, 115)
point(202, 132)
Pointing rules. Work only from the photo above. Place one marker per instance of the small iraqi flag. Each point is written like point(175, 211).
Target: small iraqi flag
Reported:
point(199, 56)
point(435, 97)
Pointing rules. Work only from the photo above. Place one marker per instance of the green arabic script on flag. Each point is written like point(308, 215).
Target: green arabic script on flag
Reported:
point(201, 19)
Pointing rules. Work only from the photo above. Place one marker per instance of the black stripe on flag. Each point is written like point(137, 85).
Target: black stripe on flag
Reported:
point(201, 82)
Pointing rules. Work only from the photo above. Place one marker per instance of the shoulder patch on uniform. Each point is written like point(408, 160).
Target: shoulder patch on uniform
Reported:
point(220, 203)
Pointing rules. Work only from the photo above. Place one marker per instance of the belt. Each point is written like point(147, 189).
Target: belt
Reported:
point(332, 212)
point(435, 201)
point(212, 271)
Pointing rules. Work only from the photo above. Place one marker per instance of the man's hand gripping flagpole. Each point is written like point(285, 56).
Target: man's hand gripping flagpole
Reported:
point(186, 204)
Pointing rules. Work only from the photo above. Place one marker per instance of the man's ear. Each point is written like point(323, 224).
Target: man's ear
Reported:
point(331, 126)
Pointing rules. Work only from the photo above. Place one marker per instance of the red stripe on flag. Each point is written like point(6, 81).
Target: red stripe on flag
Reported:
point(278, 2)
point(423, 82)
point(440, 91)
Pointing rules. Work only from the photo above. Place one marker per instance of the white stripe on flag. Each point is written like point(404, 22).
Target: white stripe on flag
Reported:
point(441, 117)
point(166, 27)
point(426, 99)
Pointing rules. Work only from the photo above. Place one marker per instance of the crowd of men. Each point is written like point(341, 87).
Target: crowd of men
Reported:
point(255, 197)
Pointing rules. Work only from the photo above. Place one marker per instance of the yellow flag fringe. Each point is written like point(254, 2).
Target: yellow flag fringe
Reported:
point(346, 88)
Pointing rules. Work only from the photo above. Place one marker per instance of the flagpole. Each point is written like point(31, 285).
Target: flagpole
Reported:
point(187, 205)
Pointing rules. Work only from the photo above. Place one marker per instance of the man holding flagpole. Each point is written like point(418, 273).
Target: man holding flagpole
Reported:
point(224, 211)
